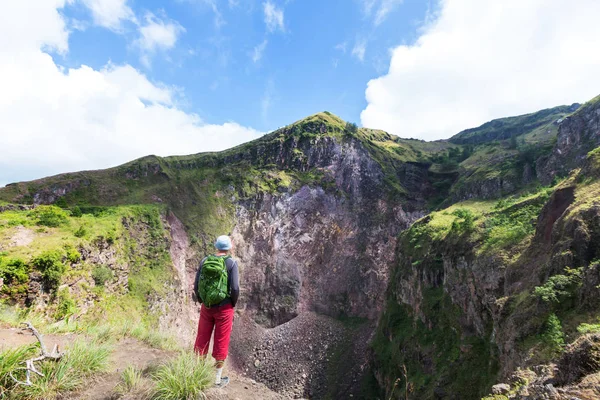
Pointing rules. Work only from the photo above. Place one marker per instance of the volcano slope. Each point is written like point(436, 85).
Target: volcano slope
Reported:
point(339, 297)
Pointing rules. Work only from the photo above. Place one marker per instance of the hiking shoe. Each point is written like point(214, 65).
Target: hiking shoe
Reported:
point(224, 382)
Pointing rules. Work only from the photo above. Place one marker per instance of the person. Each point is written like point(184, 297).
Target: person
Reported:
point(217, 304)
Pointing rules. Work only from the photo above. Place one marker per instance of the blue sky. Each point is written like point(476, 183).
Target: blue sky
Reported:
point(90, 84)
point(306, 65)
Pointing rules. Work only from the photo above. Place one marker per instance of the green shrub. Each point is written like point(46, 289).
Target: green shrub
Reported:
point(76, 212)
point(111, 236)
point(50, 216)
point(553, 336)
point(50, 264)
point(101, 274)
point(559, 286)
point(61, 202)
point(184, 377)
point(80, 232)
point(588, 328)
point(351, 128)
point(73, 255)
point(66, 305)
point(13, 271)
point(465, 221)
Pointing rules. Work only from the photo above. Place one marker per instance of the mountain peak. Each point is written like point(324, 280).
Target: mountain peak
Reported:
point(324, 117)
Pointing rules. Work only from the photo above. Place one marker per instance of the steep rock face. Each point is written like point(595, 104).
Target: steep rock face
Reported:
point(489, 188)
point(578, 134)
point(327, 249)
point(321, 250)
point(454, 307)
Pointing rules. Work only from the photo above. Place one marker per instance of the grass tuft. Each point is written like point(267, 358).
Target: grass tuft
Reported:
point(81, 361)
point(134, 384)
point(10, 362)
point(185, 377)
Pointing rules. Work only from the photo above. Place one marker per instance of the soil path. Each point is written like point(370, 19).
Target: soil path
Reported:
point(22, 237)
point(133, 352)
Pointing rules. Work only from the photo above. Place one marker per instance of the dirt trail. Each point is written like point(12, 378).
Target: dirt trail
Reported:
point(133, 352)
point(21, 237)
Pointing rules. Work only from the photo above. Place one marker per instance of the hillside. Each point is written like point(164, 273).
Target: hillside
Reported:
point(371, 265)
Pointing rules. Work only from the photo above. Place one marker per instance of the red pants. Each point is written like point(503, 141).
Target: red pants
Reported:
point(221, 319)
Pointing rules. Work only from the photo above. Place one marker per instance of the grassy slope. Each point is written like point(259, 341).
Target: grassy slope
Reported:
point(504, 148)
point(139, 248)
point(505, 128)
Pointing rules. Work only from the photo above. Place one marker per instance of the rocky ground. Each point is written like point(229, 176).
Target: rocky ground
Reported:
point(574, 376)
point(302, 357)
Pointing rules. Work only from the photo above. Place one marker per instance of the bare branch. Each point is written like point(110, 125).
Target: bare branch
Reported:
point(29, 364)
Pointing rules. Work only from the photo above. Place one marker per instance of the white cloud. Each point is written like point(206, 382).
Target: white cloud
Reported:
point(110, 13)
point(368, 6)
point(384, 9)
point(481, 60)
point(156, 34)
point(359, 49)
point(258, 51)
point(342, 47)
point(273, 17)
point(379, 9)
point(20, 27)
point(54, 119)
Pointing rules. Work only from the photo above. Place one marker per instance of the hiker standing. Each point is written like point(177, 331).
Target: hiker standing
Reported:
point(217, 288)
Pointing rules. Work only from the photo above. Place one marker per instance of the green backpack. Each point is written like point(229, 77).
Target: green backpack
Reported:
point(212, 282)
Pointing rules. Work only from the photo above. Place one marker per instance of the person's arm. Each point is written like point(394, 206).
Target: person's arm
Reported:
point(234, 283)
point(196, 281)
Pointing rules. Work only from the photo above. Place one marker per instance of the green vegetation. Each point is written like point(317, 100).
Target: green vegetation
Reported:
point(464, 222)
point(66, 305)
point(50, 216)
point(506, 128)
point(588, 328)
point(101, 274)
point(76, 212)
point(351, 128)
point(50, 264)
point(15, 274)
point(184, 377)
point(465, 364)
point(553, 336)
point(131, 377)
point(133, 236)
point(559, 287)
point(80, 232)
point(82, 360)
point(134, 384)
point(512, 223)
point(10, 363)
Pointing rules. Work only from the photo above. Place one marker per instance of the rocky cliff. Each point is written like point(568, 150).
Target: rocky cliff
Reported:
point(484, 289)
point(578, 134)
